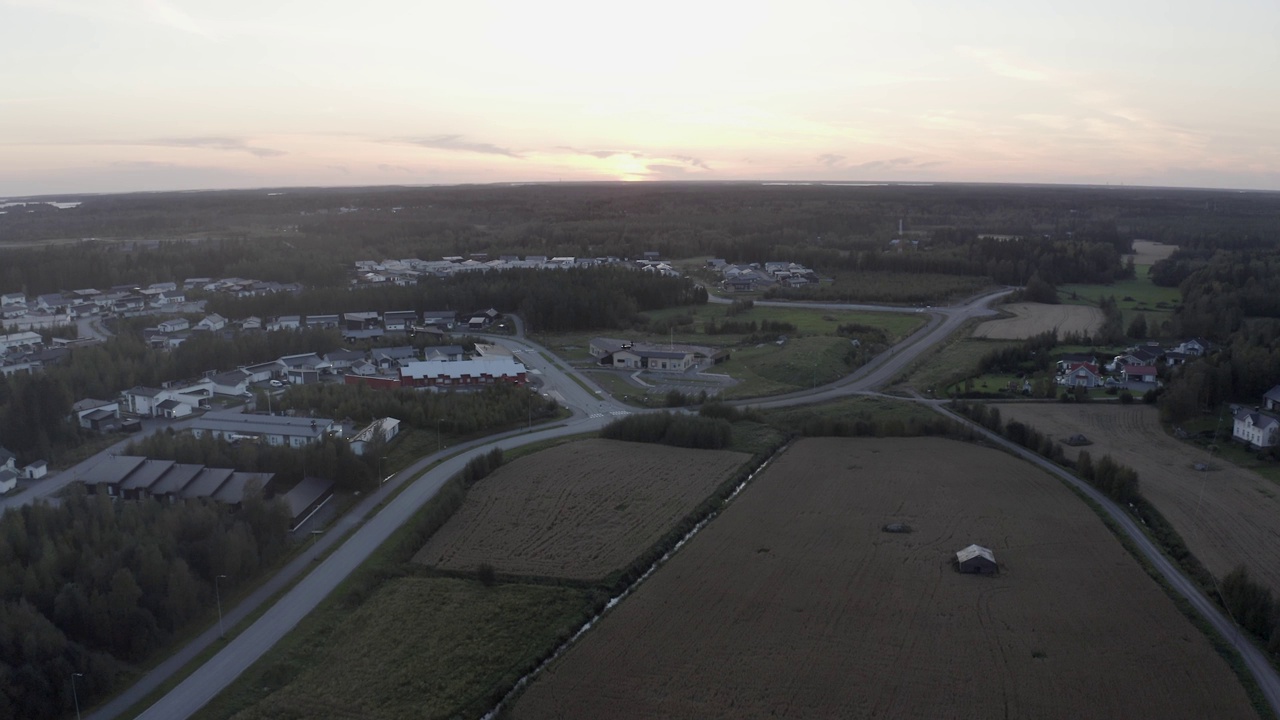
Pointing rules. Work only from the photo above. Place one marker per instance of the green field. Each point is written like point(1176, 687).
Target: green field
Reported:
point(870, 408)
point(418, 647)
point(814, 351)
point(1156, 303)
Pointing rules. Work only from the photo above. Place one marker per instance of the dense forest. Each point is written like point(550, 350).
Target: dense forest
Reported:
point(312, 236)
point(96, 587)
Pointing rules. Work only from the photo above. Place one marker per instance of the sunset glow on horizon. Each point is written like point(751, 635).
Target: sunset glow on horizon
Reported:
point(126, 95)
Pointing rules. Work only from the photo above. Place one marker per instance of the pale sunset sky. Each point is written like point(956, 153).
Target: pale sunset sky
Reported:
point(124, 95)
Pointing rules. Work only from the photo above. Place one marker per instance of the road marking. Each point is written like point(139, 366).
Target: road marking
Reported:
point(596, 415)
point(620, 412)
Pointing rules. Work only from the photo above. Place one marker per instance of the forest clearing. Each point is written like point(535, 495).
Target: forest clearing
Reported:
point(795, 603)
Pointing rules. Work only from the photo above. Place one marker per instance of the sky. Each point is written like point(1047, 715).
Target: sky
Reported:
point(130, 95)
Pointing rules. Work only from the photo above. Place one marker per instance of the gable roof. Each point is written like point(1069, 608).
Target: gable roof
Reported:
point(1273, 394)
point(974, 551)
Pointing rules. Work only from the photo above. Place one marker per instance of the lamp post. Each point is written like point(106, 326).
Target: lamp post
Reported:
point(439, 447)
point(382, 478)
point(217, 593)
point(74, 695)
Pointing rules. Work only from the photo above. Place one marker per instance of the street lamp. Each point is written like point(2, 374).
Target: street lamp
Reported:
point(74, 695)
point(439, 447)
point(218, 594)
point(382, 479)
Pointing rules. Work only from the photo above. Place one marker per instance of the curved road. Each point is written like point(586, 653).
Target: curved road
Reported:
point(592, 410)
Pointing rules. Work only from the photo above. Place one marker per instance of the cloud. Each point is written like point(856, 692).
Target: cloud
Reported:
point(696, 162)
point(664, 169)
point(456, 142)
point(231, 144)
point(384, 167)
point(893, 164)
point(340, 168)
point(830, 160)
point(600, 154)
point(1003, 64)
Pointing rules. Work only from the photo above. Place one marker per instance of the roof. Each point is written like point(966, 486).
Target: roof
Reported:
point(1273, 394)
point(91, 404)
point(143, 391)
point(439, 313)
point(146, 474)
point(396, 353)
point(1140, 370)
point(176, 479)
point(111, 471)
point(232, 377)
point(207, 482)
point(344, 355)
point(610, 345)
point(251, 424)
point(6, 456)
point(233, 490)
point(1256, 418)
point(399, 315)
point(493, 367)
point(975, 551)
point(169, 405)
point(305, 493)
point(1078, 365)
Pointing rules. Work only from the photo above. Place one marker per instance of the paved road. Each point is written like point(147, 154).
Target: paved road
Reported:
point(1263, 672)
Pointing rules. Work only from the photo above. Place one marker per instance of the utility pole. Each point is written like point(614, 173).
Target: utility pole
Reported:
point(74, 695)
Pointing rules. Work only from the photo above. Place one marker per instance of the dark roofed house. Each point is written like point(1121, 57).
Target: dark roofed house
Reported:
point(110, 473)
point(232, 491)
point(307, 495)
point(171, 485)
point(394, 356)
point(206, 483)
point(1271, 400)
point(399, 320)
point(139, 482)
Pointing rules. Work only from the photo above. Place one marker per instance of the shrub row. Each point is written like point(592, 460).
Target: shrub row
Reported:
point(688, 431)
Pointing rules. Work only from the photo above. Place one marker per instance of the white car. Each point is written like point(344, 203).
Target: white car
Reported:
point(276, 383)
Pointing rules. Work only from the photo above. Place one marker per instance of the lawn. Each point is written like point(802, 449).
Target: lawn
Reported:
point(772, 369)
point(954, 362)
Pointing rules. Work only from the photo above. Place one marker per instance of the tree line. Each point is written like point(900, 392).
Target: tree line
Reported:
point(688, 431)
point(97, 587)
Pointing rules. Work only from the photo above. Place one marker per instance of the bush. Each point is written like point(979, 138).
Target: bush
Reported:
point(690, 431)
point(1126, 398)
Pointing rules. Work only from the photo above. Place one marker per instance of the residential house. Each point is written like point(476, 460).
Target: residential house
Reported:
point(462, 373)
point(8, 479)
point(142, 400)
point(20, 339)
point(440, 318)
point(1139, 373)
point(251, 323)
point(323, 321)
point(1271, 399)
point(341, 360)
point(1254, 427)
point(445, 352)
point(271, 429)
point(1196, 346)
point(212, 323)
point(285, 322)
point(8, 459)
point(172, 409)
point(361, 320)
point(264, 371)
point(36, 470)
point(379, 431)
point(399, 320)
point(394, 356)
point(234, 383)
point(1085, 375)
point(173, 325)
point(53, 302)
point(11, 299)
point(97, 415)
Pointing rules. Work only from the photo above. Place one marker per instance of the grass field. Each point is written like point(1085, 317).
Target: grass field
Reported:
point(1226, 516)
point(580, 510)
point(1148, 252)
point(793, 603)
point(956, 360)
point(421, 648)
point(1034, 318)
point(1145, 297)
point(895, 288)
point(760, 368)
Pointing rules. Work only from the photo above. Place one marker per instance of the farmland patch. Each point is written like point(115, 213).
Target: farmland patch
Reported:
point(1034, 318)
point(795, 603)
point(1226, 515)
point(580, 510)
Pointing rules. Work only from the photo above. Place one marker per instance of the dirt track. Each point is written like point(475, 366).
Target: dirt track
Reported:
point(794, 604)
point(1034, 318)
point(1227, 516)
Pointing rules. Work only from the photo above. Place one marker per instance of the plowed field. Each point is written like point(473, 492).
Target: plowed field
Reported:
point(1034, 318)
point(1148, 252)
point(580, 510)
point(1227, 516)
point(793, 603)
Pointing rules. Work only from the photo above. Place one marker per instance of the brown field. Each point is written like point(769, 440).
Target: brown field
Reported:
point(1033, 318)
point(1227, 516)
point(793, 603)
point(580, 510)
point(1147, 252)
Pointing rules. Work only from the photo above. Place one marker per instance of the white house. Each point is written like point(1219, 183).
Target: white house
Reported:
point(36, 470)
point(173, 325)
point(270, 429)
point(234, 383)
point(1255, 428)
point(212, 323)
point(383, 430)
point(1084, 375)
point(8, 480)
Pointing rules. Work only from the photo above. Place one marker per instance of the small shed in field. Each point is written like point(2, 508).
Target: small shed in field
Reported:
point(977, 559)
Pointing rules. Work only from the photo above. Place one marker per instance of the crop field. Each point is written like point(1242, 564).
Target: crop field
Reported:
point(419, 648)
point(1034, 318)
point(794, 603)
point(1226, 515)
point(580, 510)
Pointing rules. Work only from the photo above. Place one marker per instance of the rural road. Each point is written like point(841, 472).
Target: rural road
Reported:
point(1259, 667)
